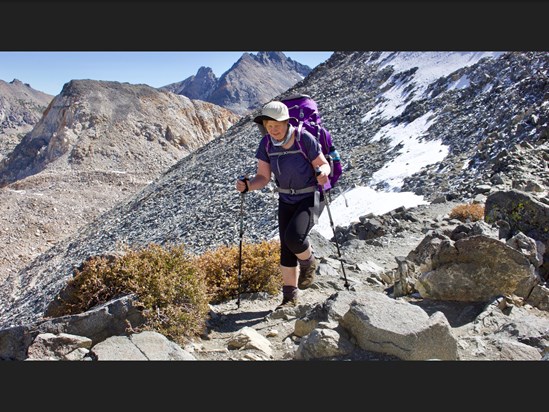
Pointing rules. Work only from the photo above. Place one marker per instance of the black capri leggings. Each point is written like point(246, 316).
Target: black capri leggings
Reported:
point(294, 223)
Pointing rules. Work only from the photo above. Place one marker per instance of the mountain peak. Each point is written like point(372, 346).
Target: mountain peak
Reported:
point(253, 80)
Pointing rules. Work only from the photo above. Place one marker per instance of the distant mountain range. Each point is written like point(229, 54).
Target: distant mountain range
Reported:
point(251, 82)
point(20, 104)
point(21, 107)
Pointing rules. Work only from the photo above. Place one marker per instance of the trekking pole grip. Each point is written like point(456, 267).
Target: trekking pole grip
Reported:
point(317, 173)
point(244, 179)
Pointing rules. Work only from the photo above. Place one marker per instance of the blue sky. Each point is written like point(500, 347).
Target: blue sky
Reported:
point(49, 71)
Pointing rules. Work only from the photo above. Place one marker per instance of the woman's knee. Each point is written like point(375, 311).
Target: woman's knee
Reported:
point(296, 243)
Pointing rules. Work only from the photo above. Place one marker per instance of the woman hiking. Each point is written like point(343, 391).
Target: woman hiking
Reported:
point(297, 174)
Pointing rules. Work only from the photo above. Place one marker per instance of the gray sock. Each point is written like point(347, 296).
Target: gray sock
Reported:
point(306, 262)
point(289, 291)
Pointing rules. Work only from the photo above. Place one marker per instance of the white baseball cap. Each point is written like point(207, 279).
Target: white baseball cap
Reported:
point(274, 110)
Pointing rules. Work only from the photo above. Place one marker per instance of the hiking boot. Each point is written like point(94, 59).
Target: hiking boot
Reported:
point(307, 274)
point(288, 302)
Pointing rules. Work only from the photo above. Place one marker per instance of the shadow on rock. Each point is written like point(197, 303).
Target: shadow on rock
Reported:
point(457, 313)
point(233, 322)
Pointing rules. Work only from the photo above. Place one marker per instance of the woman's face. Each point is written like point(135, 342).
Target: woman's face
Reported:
point(276, 129)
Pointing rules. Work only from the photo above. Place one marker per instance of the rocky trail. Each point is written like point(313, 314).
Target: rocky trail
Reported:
point(230, 322)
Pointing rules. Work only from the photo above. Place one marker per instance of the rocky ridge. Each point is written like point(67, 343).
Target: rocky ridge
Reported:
point(96, 144)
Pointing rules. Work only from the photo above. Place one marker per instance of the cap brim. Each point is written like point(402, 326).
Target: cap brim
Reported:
point(259, 119)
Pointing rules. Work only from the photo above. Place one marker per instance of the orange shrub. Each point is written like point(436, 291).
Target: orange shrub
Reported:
point(260, 270)
point(470, 212)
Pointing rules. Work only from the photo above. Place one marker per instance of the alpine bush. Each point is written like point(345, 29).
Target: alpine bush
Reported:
point(173, 287)
point(259, 270)
point(470, 212)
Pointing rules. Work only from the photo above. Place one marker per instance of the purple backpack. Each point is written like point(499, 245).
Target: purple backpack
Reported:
point(304, 113)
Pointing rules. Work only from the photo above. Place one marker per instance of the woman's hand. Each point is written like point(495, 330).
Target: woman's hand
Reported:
point(242, 184)
point(321, 177)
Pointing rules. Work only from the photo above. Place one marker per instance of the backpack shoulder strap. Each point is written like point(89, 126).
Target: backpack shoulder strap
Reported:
point(266, 141)
point(299, 130)
point(302, 149)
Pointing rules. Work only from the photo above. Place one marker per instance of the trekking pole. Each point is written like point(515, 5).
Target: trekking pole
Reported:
point(344, 198)
point(242, 178)
point(317, 170)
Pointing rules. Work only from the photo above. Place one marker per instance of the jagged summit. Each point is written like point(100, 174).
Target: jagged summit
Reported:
point(252, 81)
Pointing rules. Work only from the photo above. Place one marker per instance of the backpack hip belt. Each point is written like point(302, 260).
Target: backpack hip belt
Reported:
point(309, 189)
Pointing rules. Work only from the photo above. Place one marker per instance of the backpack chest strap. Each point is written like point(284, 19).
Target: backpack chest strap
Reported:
point(284, 153)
